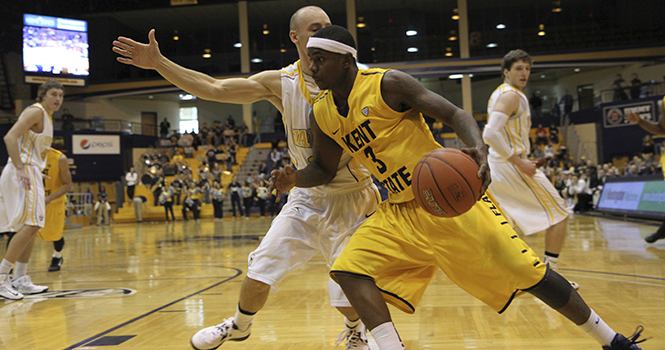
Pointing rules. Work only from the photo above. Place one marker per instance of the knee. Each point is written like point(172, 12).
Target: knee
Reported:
point(553, 290)
point(256, 286)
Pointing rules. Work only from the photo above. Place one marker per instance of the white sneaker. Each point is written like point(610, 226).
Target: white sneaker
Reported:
point(24, 285)
point(7, 291)
point(354, 338)
point(212, 337)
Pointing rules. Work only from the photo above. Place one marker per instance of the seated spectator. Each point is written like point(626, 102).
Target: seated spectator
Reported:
point(580, 190)
point(275, 157)
point(537, 153)
point(263, 168)
point(554, 134)
point(204, 134)
point(541, 135)
point(174, 138)
point(648, 146)
point(633, 170)
point(549, 151)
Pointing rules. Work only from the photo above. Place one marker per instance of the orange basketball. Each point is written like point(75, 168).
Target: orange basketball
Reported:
point(445, 182)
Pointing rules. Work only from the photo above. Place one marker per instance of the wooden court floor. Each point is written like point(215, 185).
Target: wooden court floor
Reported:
point(153, 285)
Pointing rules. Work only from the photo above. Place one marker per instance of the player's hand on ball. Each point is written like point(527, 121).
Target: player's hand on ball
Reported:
point(282, 181)
point(479, 154)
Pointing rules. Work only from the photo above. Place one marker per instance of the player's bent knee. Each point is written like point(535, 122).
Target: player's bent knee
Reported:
point(553, 290)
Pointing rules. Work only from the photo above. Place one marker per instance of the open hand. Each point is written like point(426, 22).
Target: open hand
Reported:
point(136, 53)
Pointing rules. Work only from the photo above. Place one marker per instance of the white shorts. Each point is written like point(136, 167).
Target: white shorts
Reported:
point(308, 225)
point(531, 204)
point(19, 206)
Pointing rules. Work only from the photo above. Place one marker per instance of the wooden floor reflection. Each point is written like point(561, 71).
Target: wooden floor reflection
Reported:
point(187, 276)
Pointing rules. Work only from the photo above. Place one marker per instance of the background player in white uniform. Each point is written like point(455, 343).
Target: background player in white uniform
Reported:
point(22, 202)
point(317, 219)
point(524, 194)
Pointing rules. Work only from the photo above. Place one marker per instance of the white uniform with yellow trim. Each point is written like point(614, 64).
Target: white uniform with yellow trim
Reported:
point(531, 204)
point(19, 206)
point(318, 219)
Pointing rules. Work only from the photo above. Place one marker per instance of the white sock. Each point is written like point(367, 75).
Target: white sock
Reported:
point(351, 324)
point(552, 261)
point(6, 266)
point(20, 270)
point(598, 329)
point(57, 254)
point(386, 337)
point(242, 320)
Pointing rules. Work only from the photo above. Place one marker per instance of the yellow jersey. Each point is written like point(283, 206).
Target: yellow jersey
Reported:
point(52, 170)
point(386, 142)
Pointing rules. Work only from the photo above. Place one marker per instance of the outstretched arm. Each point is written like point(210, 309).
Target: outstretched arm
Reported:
point(320, 171)
point(654, 128)
point(402, 92)
point(262, 86)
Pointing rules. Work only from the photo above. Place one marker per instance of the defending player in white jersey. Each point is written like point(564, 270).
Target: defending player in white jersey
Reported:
point(317, 219)
point(526, 196)
point(22, 201)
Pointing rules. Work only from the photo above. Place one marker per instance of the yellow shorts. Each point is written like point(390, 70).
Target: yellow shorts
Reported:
point(54, 223)
point(401, 246)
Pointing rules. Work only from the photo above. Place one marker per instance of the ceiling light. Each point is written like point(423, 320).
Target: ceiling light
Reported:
point(237, 45)
point(448, 54)
point(452, 38)
point(577, 70)
point(282, 50)
point(543, 76)
point(265, 29)
point(412, 49)
point(458, 76)
point(542, 30)
point(360, 25)
point(491, 45)
point(175, 35)
point(556, 9)
point(374, 49)
point(411, 33)
point(256, 60)
point(500, 26)
point(207, 53)
point(455, 15)
point(186, 97)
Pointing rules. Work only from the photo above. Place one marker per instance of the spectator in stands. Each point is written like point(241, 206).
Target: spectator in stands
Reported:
point(633, 170)
point(596, 185)
point(217, 134)
point(274, 143)
point(243, 130)
point(177, 186)
point(263, 168)
point(102, 208)
point(554, 134)
point(205, 187)
point(536, 106)
point(619, 94)
point(262, 193)
point(580, 191)
point(230, 122)
point(275, 157)
point(211, 156)
point(618, 80)
point(217, 194)
point(215, 173)
point(131, 178)
point(156, 185)
point(166, 199)
point(567, 101)
point(164, 127)
point(174, 138)
point(541, 135)
point(196, 140)
point(548, 151)
point(248, 193)
point(228, 133)
point(232, 147)
point(190, 204)
point(555, 111)
point(635, 86)
point(204, 133)
point(234, 188)
point(140, 203)
point(67, 120)
point(648, 146)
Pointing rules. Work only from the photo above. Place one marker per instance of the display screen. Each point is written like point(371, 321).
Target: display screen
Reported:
point(57, 46)
point(640, 197)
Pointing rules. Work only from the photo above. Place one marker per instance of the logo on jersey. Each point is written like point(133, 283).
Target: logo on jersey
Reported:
point(302, 138)
point(365, 111)
point(85, 144)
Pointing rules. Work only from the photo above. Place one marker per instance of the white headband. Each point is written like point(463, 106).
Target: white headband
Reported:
point(332, 46)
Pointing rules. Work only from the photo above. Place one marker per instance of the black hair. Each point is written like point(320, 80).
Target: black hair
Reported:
point(337, 33)
point(513, 56)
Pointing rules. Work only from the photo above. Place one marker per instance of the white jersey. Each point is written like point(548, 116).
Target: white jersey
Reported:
point(298, 93)
point(34, 147)
point(516, 130)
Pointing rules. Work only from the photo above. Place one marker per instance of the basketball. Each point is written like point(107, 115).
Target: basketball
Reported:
point(445, 182)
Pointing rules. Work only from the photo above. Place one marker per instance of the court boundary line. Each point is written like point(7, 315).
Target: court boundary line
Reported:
point(99, 335)
point(613, 274)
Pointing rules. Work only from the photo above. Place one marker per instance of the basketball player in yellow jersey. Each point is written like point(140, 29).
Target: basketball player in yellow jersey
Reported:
point(525, 194)
point(57, 183)
point(312, 220)
point(22, 202)
point(658, 129)
point(376, 116)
